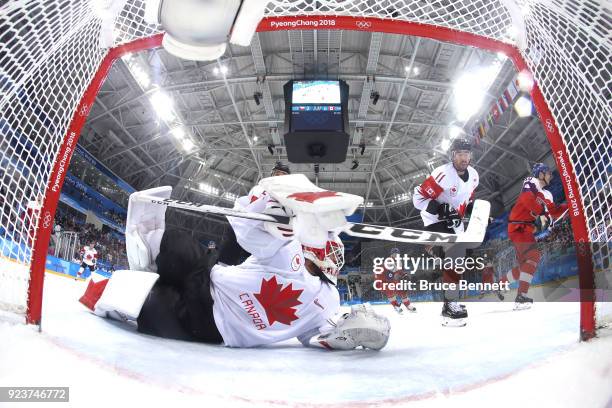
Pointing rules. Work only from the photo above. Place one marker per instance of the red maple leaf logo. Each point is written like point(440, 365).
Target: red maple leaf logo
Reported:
point(278, 302)
point(312, 196)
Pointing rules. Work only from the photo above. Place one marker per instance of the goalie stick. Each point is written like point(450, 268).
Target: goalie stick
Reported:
point(472, 237)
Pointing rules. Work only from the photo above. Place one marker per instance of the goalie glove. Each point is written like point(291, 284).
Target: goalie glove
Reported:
point(361, 327)
point(317, 211)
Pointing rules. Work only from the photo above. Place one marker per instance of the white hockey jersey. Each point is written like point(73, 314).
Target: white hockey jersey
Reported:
point(89, 255)
point(445, 186)
point(270, 297)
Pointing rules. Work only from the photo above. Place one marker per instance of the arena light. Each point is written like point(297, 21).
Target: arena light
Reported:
point(162, 103)
point(222, 69)
point(208, 189)
point(445, 145)
point(470, 90)
point(187, 144)
point(230, 196)
point(454, 131)
point(525, 81)
point(468, 95)
point(523, 106)
point(141, 76)
point(415, 70)
point(178, 132)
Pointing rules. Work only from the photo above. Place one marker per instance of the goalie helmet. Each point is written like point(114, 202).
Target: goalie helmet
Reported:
point(329, 259)
point(279, 167)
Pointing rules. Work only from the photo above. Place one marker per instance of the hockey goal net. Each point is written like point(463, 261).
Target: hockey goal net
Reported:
point(55, 54)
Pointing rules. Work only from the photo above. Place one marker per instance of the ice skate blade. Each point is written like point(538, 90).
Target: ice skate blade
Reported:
point(522, 306)
point(448, 322)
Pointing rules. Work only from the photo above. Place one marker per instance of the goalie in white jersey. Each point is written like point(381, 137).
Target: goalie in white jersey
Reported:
point(283, 290)
point(445, 198)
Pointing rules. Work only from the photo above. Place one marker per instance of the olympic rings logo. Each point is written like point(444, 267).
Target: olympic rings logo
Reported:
point(47, 220)
point(84, 110)
point(363, 24)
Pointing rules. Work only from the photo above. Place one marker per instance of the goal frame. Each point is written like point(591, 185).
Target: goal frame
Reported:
point(305, 22)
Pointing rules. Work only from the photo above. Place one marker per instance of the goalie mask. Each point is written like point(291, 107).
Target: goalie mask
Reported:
point(329, 259)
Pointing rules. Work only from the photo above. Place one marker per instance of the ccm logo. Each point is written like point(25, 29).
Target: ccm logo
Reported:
point(390, 232)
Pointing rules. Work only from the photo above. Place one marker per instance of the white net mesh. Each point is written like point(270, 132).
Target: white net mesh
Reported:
point(49, 52)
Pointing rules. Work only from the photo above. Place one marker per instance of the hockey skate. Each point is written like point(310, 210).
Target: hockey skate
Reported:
point(522, 302)
point(499, 295)
point(411, 308)
point(398, 309)
point(454, 314)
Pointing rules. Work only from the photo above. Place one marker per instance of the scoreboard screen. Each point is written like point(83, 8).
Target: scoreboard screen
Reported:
point(316, 92)
point(316, 106)
point(316, 121)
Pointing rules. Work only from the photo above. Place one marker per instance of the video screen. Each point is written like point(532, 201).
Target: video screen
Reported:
point(316, 92)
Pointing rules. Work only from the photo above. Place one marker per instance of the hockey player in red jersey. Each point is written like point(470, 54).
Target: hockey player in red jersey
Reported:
point(445, 198)
point(534, 211)
point(284, 289)
point(394, 275)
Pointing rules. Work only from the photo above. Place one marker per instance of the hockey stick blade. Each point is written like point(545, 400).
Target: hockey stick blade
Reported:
point(471, 238)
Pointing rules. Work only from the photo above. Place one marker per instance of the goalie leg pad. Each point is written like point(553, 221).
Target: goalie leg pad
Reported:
point(125, 293)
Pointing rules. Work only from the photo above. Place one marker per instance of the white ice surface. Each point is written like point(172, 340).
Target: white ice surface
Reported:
point(503, 358)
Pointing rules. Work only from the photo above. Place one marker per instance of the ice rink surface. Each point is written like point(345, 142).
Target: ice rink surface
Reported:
point(502, 358)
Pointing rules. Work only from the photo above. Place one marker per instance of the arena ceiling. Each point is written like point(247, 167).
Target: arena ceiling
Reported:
point(235, 140)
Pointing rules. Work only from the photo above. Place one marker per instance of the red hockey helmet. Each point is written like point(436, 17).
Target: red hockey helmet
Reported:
point(329, 259)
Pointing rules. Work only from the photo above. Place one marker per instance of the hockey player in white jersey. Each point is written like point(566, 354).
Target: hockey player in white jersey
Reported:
point(89, 256)
point(285, 289)
point(444, 199)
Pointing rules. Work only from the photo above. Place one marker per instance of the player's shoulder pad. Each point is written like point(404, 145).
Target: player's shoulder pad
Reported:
point(473, 174)
point(440, 173)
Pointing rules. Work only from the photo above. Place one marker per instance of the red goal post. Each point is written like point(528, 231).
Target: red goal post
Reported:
point(472, 23)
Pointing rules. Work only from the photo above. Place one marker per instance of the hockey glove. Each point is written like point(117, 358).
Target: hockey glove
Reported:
point(447, 213)
point(543, 222)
